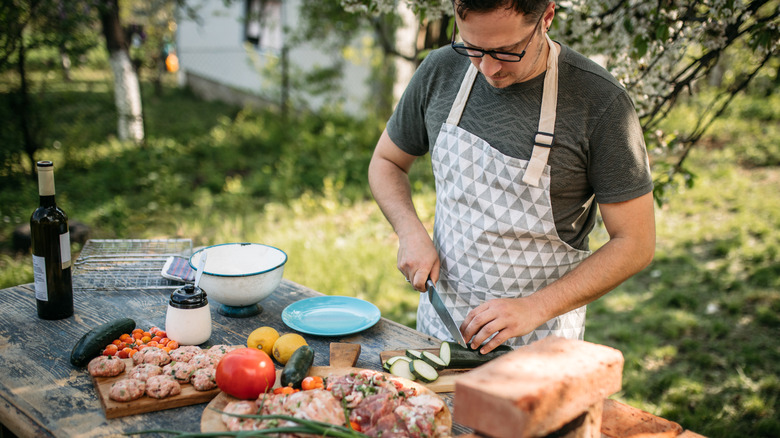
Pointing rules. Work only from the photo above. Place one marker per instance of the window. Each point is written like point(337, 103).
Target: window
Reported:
point(263, 26)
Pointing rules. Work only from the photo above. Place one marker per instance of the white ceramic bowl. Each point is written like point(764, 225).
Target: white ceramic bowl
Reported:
point(240, 274)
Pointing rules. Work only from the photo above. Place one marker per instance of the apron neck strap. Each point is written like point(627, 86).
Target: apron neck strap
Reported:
point(545, 132)
point(456, 111)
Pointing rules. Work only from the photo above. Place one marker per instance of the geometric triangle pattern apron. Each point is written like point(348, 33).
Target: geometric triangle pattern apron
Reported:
point(494, 228)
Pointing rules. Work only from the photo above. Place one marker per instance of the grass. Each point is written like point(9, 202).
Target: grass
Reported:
point(699, 328)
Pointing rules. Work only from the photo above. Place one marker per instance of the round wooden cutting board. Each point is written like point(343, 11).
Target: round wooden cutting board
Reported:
point(211, 420)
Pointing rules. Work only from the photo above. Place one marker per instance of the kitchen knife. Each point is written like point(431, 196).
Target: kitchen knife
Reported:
point(441, 310)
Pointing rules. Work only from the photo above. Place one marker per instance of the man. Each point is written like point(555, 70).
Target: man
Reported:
point(526, 138)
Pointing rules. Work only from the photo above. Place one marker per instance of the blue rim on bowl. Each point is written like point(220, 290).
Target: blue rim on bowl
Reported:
point(200, 251)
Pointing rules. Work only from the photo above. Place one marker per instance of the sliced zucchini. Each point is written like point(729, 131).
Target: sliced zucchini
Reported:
point(401, 368)
point(389, 362)
point(414, 354)
point(433, 360)
point(423, 371)
point(445, 354)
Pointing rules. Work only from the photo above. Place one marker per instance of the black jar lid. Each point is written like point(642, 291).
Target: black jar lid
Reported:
point(188, 297)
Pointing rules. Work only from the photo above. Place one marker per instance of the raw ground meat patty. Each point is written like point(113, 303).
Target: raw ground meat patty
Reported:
point(152, 355)
point(162, 386)
point(126, 390)
point(105, 366)
point(181, 371)
point(203, 361)
point(204, 379)
point(143, 371)
point(185, 353)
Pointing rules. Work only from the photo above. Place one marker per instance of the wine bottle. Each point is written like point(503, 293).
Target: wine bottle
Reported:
point(51, 251)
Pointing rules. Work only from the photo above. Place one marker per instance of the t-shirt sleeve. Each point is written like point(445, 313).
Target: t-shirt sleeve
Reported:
point(619, 168)
point(406, 126)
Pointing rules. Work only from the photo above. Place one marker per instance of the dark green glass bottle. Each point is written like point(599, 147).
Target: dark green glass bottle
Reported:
point(51, 251)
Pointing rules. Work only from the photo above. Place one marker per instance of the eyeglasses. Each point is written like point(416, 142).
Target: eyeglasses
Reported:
point(473, 52)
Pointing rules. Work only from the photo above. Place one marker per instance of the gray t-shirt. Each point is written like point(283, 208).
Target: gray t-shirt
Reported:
point(598, 151)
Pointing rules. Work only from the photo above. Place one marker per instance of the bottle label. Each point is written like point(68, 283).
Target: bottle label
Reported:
point(65, 249)
point(39, 276)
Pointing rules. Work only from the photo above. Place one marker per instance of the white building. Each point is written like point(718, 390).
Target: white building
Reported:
point(235, 53)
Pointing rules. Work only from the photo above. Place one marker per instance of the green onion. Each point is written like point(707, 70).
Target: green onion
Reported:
point(303, 427)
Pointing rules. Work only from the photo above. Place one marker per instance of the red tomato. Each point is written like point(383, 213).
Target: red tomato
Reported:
point(246, 373)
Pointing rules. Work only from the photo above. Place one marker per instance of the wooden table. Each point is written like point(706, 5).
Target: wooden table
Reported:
point(41, 394)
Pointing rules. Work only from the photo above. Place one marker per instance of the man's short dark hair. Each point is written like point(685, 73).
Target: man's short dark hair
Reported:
point(531, 8)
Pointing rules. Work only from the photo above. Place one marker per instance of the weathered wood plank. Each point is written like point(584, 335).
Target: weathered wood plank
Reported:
point(42, 394)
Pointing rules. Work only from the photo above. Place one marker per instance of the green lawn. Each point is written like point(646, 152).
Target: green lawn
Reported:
point(699, 328)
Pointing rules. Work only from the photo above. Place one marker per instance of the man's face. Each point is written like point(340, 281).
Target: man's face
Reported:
point(505, 31)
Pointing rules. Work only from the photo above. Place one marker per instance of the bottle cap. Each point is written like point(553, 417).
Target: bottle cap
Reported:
point(188, 297)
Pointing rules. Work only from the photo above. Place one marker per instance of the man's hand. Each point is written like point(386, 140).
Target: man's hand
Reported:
point(506, 317)
point(418, 259)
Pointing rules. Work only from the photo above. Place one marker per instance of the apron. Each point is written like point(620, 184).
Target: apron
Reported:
point(494, 228)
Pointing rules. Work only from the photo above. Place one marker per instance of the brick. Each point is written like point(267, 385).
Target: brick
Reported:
point(537, 389)
point(620, 420)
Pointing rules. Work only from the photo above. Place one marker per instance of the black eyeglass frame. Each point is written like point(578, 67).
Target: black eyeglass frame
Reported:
point(462, 49)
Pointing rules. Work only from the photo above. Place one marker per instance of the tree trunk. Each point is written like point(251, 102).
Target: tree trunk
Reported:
point(30, 143)
point(127, 91)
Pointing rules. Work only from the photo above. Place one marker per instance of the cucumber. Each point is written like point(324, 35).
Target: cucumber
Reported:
point(297, 367)
point(413, 354)
point(461, 357)
point(94, 341)
point(423, 371)
point(401, 368)
point(433, 360)
point(389, 362)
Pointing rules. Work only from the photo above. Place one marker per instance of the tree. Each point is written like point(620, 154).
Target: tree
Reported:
point(660, 51)
point(127, 91)
point(25, 26)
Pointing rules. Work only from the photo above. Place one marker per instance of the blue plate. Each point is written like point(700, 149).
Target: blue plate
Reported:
point(330, 315)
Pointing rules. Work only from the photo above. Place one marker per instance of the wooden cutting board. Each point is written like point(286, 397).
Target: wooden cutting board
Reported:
point(343, 358)
point(447, 377)
point(114, 409)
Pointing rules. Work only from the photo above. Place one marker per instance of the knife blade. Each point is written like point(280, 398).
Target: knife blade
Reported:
point(444, 314)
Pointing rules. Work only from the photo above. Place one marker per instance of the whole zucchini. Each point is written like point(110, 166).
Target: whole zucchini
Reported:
point(94, 341)
point(297, 367)
point(461, 357)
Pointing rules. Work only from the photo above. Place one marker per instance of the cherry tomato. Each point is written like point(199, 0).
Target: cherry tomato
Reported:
point(171, 344)
point(110, 350)
point(125, 352)
point(246, 373)
point(311, 382)
point(285, 390)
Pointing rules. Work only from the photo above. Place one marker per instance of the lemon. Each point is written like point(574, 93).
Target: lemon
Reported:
point(286, 345)
point(263, 338)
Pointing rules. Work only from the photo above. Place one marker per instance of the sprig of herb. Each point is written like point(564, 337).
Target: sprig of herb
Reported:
point(303, 426)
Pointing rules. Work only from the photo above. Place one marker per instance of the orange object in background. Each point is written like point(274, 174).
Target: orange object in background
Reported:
point(172, 63)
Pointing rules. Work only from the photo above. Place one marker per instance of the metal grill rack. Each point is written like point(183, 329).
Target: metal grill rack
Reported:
point(127, 264)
